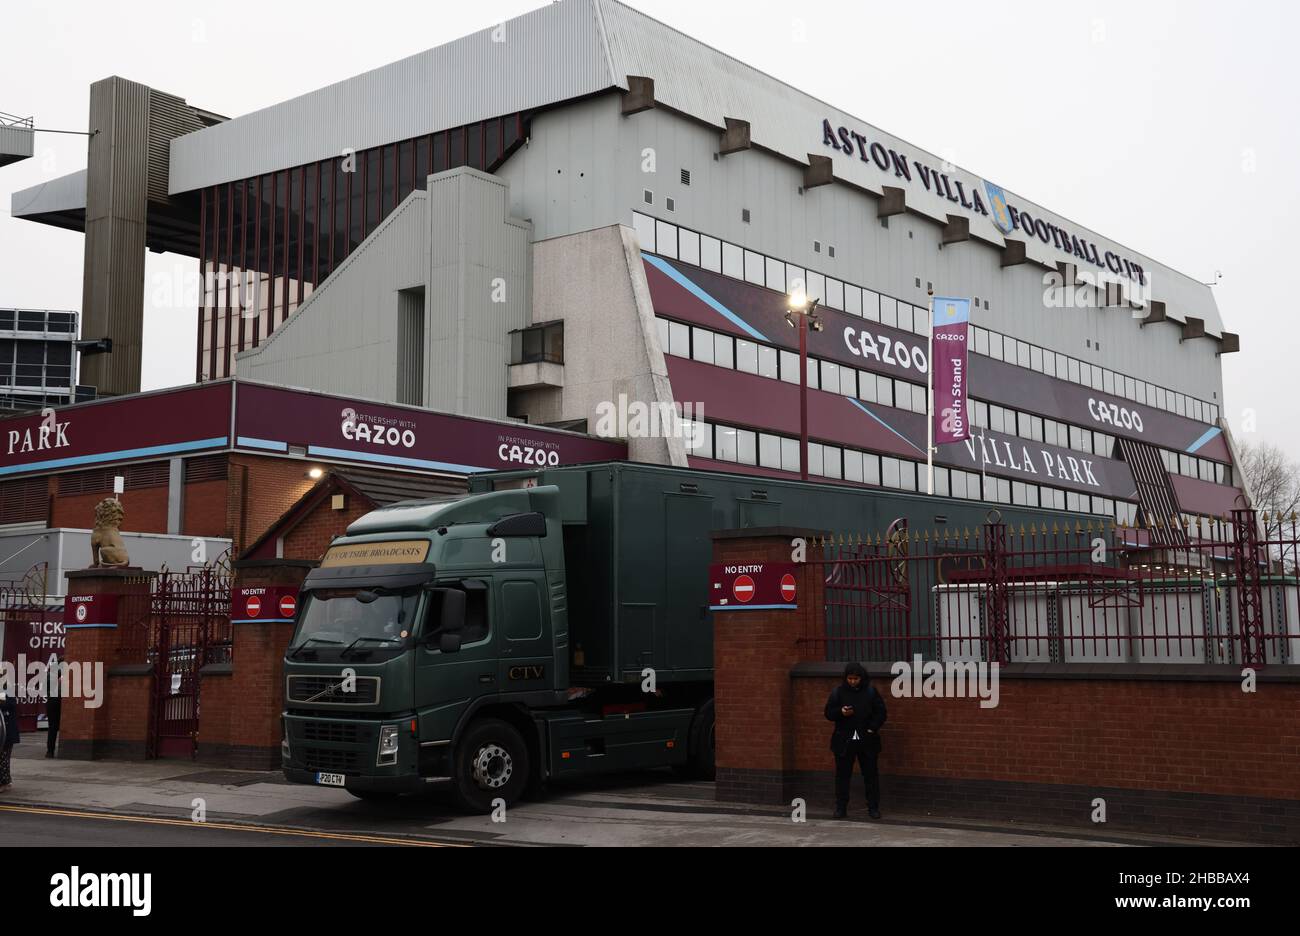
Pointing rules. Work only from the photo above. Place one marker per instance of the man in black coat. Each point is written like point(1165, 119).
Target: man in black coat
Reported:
point(8, 737)
point(858, 712)
point(53, 705)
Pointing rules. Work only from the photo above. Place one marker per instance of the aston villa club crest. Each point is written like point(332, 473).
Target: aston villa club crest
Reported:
point(998, 205)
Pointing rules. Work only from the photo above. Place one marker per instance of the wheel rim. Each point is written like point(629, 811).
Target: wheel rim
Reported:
point(492, 767)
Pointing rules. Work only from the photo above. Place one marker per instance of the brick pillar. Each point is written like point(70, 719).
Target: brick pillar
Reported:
point(106, 613)
point(753, 653)
point(256, 694)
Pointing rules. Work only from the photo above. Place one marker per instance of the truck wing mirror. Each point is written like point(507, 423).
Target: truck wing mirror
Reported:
point(449, 643)
point(451, 610)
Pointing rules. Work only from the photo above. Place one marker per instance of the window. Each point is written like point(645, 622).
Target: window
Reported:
point(870, 305)
point(775, 275)
point(769, 450)
point(666, 239)
point(733, 261)
point(679, 339)
point(852, 465)
point(754, 268)
point(724, 351)
point(746, 356)
point(832, 466)
point(702, 345)
point(890, 472)
point(703, 440)
point(830, 376)
point(789, 367)
point(724, 443)
point(789, 454)
point(767, 362)
point(711, 253)
point(688, 246)
point(746, 447)
point(870, 469)
point(853, 300)
point(995, 346)
point(815, 465)
point(867, 386)
point(888, 311)
point(645, 231)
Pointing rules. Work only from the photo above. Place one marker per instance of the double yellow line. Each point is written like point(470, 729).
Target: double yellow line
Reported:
point(230, 826)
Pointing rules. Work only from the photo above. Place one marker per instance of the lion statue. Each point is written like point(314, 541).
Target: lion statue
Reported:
point(107, 550)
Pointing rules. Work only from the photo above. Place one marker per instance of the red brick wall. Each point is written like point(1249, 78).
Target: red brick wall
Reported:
point(146, 510)
point(1174, 736)
point(314, 532)
point(261, 490)
point(205, 509)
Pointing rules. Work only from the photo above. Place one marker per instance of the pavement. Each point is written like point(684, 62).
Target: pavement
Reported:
point(64, 802)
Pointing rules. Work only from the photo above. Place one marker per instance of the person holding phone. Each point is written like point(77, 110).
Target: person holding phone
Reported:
point(858, 712)
point(8, 737)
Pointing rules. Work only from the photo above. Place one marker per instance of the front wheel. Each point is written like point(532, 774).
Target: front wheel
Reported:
point(491, 763)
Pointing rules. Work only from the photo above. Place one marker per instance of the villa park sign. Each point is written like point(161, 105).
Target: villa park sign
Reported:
point(1005, 216)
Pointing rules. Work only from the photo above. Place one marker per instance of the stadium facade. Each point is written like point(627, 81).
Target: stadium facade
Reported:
point(583, 208)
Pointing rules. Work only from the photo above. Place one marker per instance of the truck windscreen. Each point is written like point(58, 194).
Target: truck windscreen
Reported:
point(354, 620)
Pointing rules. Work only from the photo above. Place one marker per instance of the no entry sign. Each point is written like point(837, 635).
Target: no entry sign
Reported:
point(263, 603)
point(760, 586)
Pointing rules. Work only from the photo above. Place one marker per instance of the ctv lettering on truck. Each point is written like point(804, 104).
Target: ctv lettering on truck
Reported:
point(377, 430)
point(886, 350)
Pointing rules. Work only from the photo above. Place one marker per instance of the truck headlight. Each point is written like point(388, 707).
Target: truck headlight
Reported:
point(387, 745)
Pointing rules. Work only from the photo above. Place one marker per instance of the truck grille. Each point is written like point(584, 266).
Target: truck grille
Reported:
point(333, 732)
point(328, 690)
point(331, 761)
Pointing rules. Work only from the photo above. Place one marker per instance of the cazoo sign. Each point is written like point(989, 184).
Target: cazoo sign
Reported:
point(885, 350)
point(377, 430)
point(528, 452)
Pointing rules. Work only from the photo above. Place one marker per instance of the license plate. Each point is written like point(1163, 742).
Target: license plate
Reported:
point(329, 779)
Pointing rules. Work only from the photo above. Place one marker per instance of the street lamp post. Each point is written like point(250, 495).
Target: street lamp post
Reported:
point(803, 316)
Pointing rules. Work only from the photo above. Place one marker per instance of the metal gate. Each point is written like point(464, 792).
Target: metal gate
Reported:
point(190, 624)
point(23, 609)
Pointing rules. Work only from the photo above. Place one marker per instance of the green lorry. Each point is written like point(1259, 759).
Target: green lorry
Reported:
point(497, 641)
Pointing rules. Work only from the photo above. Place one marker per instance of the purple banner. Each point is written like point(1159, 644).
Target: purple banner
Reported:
point(948, 351)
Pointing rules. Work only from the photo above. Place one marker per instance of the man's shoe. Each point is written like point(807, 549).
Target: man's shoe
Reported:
point(840, 814)
point(873, 813)
point(49, 753)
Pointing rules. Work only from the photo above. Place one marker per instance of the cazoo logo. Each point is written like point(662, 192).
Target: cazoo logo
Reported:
point(376, 431)
point(886, 350)
point(527, 454)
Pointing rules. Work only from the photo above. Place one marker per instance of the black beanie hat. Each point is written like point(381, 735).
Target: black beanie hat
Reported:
point(855, 669)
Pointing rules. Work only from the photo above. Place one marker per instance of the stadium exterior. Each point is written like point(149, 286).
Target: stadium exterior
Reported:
point(583, 209)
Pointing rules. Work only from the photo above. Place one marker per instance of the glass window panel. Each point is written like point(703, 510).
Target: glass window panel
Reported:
point(733, 261)
point(870, 305)
point(724, 351)
point(775, 274)
point(710, 253)
point(830, 376)
point(942, 485)
point(1108, 381)
point(767, 362)
point(959, 488)
point(870, 469)
point(832, 467)
point(724, 443)
point(852, 465)
point(834, 293)
point(1074, 370)
point(666, 239)
point(679, 339)
point(816, 286)
point(796, 278)
point(890, 471)
point(1036, 358)
point(995, 346)
point(885, 390)
point(789, 454)
point(746, 447)
point(1049, 363)
point(920, 403)
point(662, 326)
point(374, 181)
point(982, 341)
point(867, 386)
point(688, 246)
point(815, 465)
point(702, 345)
point(769, 450)
point(848, 382)
point(889, 311)
point(746, 356)
point(754, 268)
point(852, 300)
point(1022, 353)
point(907, 476)
point(790, 367)
point(814, 375)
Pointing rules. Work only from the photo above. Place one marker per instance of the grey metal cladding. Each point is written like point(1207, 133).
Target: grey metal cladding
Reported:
point(549, 55)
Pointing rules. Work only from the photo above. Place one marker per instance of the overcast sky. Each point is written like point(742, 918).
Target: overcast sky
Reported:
point(1170, 127)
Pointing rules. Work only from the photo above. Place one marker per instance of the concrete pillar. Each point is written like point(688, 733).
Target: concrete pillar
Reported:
point(753, 655)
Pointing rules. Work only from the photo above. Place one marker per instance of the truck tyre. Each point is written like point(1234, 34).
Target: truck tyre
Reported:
point(700, 747)
point(490, 763)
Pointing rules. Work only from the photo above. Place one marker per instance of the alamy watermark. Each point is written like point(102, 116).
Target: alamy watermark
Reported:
point(950, 679)
point(41, 679)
